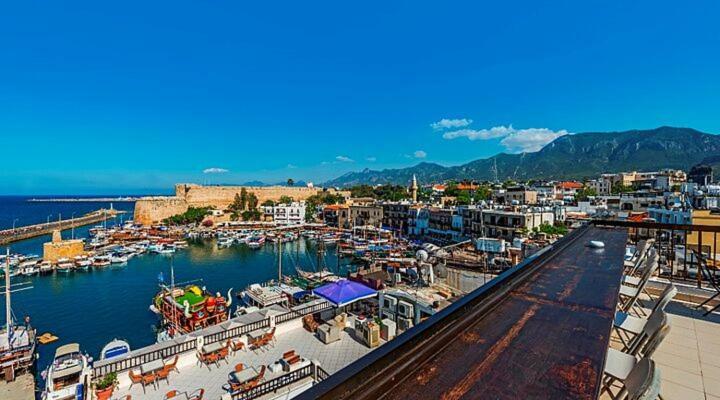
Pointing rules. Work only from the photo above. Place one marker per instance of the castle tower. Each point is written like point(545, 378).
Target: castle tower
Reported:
point(414, 189)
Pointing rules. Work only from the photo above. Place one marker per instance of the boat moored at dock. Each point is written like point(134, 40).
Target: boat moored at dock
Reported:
point(68, 375)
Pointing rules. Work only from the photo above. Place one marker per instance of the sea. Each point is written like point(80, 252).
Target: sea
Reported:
point(92, 308)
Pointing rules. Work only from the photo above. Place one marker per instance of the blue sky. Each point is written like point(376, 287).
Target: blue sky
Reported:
point(99, 97)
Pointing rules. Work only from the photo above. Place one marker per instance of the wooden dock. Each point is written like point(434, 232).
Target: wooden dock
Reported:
point(30, 231)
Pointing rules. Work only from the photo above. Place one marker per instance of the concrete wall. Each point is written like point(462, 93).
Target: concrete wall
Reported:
point(150, 210)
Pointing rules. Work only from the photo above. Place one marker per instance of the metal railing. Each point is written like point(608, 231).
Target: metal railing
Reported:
point(676, 245)
point(237, 331)
point(168, 349)
point(133, 361)
point(301, 312)
point(272, 386)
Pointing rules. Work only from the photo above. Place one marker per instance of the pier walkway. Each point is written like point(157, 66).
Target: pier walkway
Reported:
point(30, 231)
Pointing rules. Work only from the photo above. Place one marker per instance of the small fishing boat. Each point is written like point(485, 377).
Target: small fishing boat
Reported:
point(114, 348)
point(67, 375)
point(64, 265)
point(118, 258)
point(255, 242)
point(45, 267)
point(83, 263)
point(101, 261)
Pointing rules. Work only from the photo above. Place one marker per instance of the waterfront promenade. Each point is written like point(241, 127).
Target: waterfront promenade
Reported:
point(30, 231)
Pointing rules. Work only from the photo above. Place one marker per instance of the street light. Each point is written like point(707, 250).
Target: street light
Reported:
point(72, 220)
point(48, 219)
point(14, 221)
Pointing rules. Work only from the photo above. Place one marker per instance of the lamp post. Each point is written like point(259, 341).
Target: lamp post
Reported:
point(14, 221)
point(72, 229)
point(48, 219)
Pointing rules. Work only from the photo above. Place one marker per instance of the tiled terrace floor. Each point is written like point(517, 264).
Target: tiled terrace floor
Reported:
point(689, 358)
point(331, 357)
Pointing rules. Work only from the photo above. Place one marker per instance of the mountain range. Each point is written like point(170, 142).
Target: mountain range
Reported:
point(576, 156)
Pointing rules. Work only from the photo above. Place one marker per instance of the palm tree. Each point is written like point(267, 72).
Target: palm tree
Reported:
point(290, 182)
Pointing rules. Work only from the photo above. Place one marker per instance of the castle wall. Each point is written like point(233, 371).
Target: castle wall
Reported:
point(150, 210)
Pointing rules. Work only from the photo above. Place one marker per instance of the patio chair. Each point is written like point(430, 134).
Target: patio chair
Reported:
point(171, 394)
point(641, 382)
point(270, 336)
point(149, 379)
point(236, 346)
point(196, 395)
point(163, 374)
point(712, 279)
point(618, 364)
point(640, 256)
point(630, 324)
point(654, 324)
point(212, 358)
point(633, 278)
point(288, 354)
point(135, 378)
point(629, 295)
point(239, 367)
point(223, 354)
point(172, 365)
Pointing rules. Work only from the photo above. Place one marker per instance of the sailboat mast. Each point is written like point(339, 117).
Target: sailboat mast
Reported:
point(280, 239)
point(8, 312)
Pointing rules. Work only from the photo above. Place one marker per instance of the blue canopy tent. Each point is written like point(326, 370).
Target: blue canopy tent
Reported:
point(344, 292)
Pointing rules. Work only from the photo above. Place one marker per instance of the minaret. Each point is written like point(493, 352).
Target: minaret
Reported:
point(414, 189)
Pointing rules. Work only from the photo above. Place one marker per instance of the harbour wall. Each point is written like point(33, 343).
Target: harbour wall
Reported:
point(151, 210)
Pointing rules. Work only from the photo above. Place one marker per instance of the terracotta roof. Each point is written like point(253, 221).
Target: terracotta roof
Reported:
point(570, 185)
point(439, 187)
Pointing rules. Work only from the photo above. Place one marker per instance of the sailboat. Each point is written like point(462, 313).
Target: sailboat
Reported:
point(17, 342)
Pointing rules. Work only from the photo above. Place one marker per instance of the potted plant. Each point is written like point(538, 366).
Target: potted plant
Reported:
point(105, 386)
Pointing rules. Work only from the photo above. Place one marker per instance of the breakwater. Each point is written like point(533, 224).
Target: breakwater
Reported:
point(30, 231)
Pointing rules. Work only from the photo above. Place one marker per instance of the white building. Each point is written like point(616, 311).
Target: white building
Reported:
point(287, 214)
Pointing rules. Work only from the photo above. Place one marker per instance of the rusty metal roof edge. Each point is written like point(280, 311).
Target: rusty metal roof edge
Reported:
point(362, 378)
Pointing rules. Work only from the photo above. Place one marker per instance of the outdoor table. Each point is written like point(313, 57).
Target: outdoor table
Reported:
point(256, 334)
point(244, 375)
point(212, 347)
point(151, 366)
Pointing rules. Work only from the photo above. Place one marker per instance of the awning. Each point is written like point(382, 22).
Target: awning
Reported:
point(344, 292)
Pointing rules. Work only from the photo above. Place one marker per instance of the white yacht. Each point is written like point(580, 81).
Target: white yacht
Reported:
point(68, 375)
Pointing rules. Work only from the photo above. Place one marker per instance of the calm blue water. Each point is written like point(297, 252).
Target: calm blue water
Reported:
point(92, 308)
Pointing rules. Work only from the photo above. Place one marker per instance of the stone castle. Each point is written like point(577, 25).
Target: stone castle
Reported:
point(152, 210)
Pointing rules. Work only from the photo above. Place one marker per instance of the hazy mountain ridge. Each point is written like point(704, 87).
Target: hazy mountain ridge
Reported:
point(568, 157)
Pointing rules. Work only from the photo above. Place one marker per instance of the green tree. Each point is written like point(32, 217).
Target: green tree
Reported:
point(585, 193)
point(483, 192)
point(463, 198)
point(557, 229)
point(252, 201)
point(290, 182)
point(285, 199)
point(193, 215)
point(618, 188)
point(243, 199)
point(268, 203)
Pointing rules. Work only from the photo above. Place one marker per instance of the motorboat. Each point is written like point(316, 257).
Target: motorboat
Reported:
point(118, 258)
point(114, 348)
point(45, 267)
point(67, 375)
point(101, 261)
point(255, 242)
point(64, 265)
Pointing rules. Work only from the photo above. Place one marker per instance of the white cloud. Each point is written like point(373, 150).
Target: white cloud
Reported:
point(514, 140)
point(531, 139)
point(419, 154)
point(291, 166)
point(344, 159)
point(480, 134)
point(371, 159)
point(446, 123)
point(215, 170)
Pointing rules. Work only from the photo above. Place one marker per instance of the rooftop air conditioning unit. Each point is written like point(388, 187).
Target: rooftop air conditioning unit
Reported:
point(389, 303)
point(404, 324)
point(406, 309)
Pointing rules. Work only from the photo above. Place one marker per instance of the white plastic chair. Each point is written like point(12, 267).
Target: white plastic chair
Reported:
point(630, 324)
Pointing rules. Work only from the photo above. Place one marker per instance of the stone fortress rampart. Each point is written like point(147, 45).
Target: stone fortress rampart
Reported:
point(152, 210)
